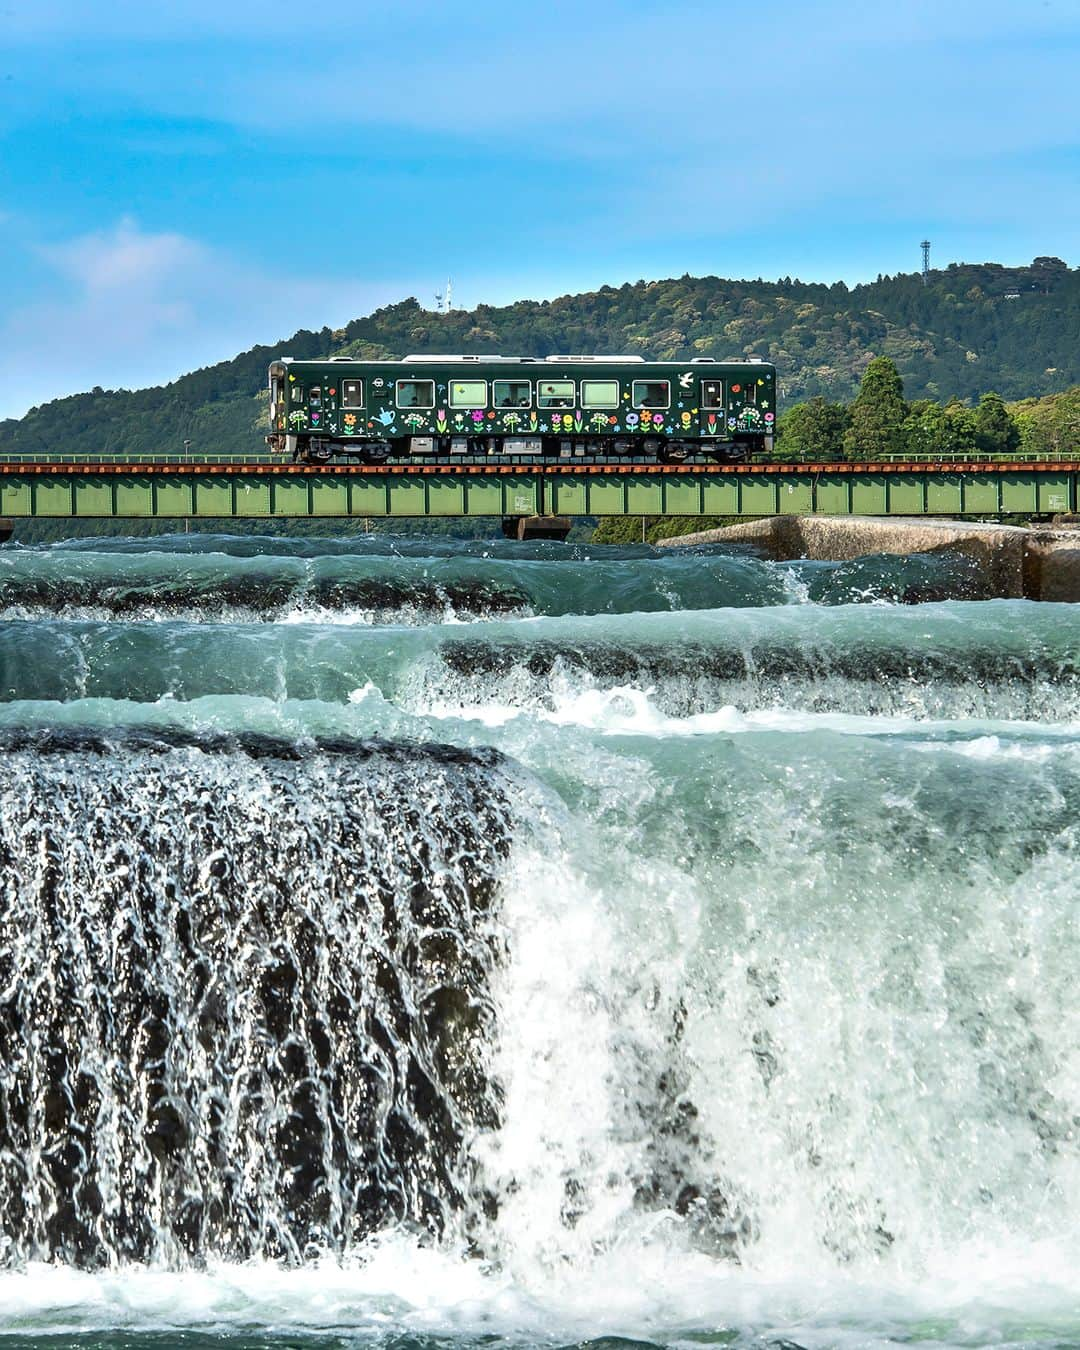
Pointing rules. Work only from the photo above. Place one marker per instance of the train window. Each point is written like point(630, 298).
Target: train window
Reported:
point(600, 393)
point(751, 392)
point(352, 393)
point(652, 394)
point(297, 394)
point(511, 393)
point(555, 393)
point(468, 394)
point(712, 393)
point(416, 393)
point(314, 397)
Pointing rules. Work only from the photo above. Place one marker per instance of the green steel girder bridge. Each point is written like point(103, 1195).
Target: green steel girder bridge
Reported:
point(178, 489)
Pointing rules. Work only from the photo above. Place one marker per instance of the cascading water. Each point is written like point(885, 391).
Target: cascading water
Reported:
point(678, 947)
point(245, 991)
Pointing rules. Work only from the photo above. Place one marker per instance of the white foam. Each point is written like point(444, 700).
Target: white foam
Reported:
point(626, 710)
point(396, 1287)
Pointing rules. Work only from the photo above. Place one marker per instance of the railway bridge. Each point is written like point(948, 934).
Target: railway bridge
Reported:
point(258, 487)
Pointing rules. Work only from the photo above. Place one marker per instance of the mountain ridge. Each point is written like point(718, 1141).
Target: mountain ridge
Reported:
point(973, 327)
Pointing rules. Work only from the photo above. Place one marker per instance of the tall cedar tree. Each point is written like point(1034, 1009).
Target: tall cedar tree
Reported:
point(877, 413)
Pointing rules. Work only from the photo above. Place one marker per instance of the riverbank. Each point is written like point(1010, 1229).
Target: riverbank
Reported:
point(1035, 563)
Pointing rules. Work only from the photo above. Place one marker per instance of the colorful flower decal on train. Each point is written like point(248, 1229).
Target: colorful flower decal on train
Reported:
point(440, 420)
point(349, 421)
point(459, 420)
point(477, 414)
point(732, 422)
point(534, 421)
point(750, 417)
point(568, 420)
point(658, 420)
point(414, 420)
point(770, 417)
point(684, 418)
point(297, 418)
point(631, 420)
point(511, 420)
point(711, 420)
point(579, 420)
point(599, 421)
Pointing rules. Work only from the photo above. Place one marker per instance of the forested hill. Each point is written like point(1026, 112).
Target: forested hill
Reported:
point(974, 328)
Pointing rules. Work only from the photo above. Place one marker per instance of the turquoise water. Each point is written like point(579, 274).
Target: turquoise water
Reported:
point(427, 945)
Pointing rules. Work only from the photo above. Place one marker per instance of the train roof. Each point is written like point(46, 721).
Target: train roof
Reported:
point(415, 358)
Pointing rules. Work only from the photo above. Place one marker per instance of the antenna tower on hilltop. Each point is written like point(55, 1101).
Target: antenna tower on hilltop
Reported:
point(444, 300)
point(925, 246)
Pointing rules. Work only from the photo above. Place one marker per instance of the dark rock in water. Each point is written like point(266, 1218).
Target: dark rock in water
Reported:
point(693, 664)
point(683, 1168)
point(48, 739)
point(244, 1002)
point(262, 596)
point(389, 594)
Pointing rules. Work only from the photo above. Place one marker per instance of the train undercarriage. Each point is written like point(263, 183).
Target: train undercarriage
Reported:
point(321, 450)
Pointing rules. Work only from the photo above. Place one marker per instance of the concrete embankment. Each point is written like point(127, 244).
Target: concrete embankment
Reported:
point(1041, 563)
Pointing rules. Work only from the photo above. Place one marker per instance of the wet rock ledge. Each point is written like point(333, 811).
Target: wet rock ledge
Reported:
point(1039, 563)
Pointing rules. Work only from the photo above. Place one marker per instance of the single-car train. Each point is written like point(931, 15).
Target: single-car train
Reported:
point(605, 407)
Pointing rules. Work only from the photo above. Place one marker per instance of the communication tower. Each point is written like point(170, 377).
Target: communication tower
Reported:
point(444, 300)
point(925, 246)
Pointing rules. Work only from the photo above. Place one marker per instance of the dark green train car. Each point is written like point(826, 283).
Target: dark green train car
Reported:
point(603, 407)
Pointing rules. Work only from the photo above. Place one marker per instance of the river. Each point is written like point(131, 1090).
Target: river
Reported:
point(418, 944)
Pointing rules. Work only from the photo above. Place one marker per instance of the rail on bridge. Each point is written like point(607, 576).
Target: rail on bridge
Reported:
point(260, 488)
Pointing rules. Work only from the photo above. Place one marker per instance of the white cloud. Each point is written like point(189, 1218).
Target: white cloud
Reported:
point(130, 308)
point(113, 261)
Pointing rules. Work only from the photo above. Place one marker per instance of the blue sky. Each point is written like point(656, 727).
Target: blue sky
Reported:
point(181, 181)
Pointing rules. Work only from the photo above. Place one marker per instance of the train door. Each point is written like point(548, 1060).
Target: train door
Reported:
point(713, 407)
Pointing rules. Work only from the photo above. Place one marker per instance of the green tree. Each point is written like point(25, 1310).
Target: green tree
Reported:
point(959, 430)
point(813, 430)
point(925, 431)
point(878, 413)
point(996, 433)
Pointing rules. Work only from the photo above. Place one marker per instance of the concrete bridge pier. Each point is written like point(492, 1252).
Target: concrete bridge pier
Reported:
point(536, 527)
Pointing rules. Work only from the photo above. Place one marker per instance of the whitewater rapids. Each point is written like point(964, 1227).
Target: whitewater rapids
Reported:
point(403, 946)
